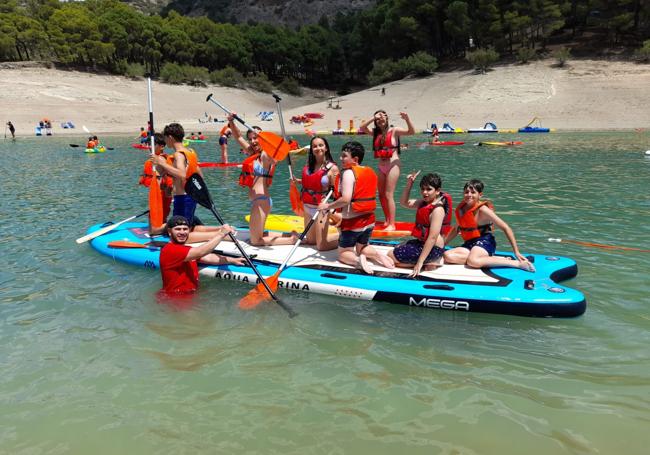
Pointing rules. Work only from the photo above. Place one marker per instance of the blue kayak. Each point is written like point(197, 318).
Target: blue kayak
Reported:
point(451, 287)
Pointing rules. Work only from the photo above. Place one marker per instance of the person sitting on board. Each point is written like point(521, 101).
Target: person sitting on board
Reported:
point(166, 182)
point(91, 143)
point(386, 147)
point(475, 218)
point(257, 175)
point(356, 197)
point(432, 223)
point(318, 176)
point(224, 134)
point(200, 136)
point(178, 261)
point(180, 166)
point(144, 136)
point(96, 141)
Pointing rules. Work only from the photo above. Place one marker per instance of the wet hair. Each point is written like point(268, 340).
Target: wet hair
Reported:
point(175, 130)
point(432, 180)
point(475, 184)
point(177, 220)
point(355, 149)
point(159, 139)
point(311, 159)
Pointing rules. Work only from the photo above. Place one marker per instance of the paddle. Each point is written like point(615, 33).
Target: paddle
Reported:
point(108, 228)
point(198, 191)
point(276, 147)
point(258, 294)
point(294, 194)
point(598, 245)
point(155, 194)
point(127, 244)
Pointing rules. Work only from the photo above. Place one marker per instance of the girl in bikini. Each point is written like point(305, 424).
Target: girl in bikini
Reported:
point(257, 176)
point(386, 147)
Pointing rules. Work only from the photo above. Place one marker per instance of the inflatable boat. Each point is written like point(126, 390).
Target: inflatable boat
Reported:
point(487, 128)
point(450, 287)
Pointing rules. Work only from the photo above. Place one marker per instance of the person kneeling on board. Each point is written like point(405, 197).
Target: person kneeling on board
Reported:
point(178, 261)
point(358, 190)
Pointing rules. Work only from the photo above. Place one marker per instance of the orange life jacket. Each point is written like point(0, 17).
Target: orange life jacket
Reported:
point(423, 217)
point(192, 160)
point(386, 148)
point(147, 174)
point(467, 225)
point(90, 144)
point(247, 176)
point(144, 134)
point(364, 192)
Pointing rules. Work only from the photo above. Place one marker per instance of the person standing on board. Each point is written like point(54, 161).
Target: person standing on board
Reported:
point(257, 175)
point(12, 129)
point(356, 198)
point(223, 143)
point(178, 262)
point(386, 147)
point(180, 166)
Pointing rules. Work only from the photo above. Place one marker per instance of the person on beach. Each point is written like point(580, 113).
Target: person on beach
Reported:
point(223, 143)
point(475, 218)
point(257, 175)
point(432, 222)
point(318, 177)
point(12, 129)
point(178, 262)
point(386, 147)
point(356, 198)
point(180, 166)
point(166, 182)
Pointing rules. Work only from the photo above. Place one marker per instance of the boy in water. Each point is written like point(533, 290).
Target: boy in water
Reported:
point(475, 220)
point(358, 190)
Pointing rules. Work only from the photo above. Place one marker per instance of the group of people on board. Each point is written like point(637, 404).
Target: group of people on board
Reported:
point(92, 142)
point(343, 196)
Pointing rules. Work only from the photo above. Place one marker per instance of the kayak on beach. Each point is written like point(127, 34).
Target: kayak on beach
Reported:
point(503, 290)
point(289, 223)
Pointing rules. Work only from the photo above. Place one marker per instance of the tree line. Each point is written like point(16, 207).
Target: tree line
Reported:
point(394, 38)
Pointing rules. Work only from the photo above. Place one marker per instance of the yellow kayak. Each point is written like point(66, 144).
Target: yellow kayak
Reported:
point(288, 223)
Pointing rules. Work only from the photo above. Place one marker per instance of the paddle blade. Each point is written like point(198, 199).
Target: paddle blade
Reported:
point(155, 203)
point(296, 200)
point(259, 293)
point(275, 146)
point(198, 190)
point(74, 145)
point(125, 244)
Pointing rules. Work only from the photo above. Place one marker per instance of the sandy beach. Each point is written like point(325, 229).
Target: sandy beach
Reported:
point(584, 95)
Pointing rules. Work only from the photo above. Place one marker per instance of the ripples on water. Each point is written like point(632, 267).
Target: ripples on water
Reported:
point(91, 362)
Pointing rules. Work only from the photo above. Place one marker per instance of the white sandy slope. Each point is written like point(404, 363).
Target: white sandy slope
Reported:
point(585, 95)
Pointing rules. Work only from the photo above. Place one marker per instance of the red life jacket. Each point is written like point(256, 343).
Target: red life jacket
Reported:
point(467, 225)
point(385, 149)
point(423, 217)
point(312, 188)
point(364, 192)
point(247, 176)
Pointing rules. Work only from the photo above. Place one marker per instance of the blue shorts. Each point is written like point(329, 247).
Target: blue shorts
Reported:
point(487, 242)
point(223, 140)
point(185, 206)
point(409, 252)
point(348, 239)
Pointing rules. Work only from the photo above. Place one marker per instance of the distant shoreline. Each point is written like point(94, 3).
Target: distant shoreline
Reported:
point(587, 95)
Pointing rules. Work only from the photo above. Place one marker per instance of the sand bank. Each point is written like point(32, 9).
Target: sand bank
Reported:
point(585, 95)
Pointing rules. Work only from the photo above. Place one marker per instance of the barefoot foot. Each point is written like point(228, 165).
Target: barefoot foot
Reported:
point(364, 265)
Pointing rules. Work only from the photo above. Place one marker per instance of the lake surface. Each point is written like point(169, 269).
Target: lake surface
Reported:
point(91, 363)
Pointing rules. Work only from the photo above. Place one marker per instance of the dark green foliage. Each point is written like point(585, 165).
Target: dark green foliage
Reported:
point(482, 59)
point(562, 55)
point(290, 86)
point(259, 82)
point(391, 40)
point(643, 54)
point(525, 54)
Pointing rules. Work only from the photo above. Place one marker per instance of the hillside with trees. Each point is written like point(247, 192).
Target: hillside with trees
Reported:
point(390, 40)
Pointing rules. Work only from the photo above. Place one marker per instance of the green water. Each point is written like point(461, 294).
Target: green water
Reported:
point(90, 363)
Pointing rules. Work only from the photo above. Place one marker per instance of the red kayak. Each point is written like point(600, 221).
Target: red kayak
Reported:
point(440, 144)
point(211, 164)
point(141, 146)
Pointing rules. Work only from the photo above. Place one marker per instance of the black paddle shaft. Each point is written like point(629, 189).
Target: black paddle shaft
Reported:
point(198, 191)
